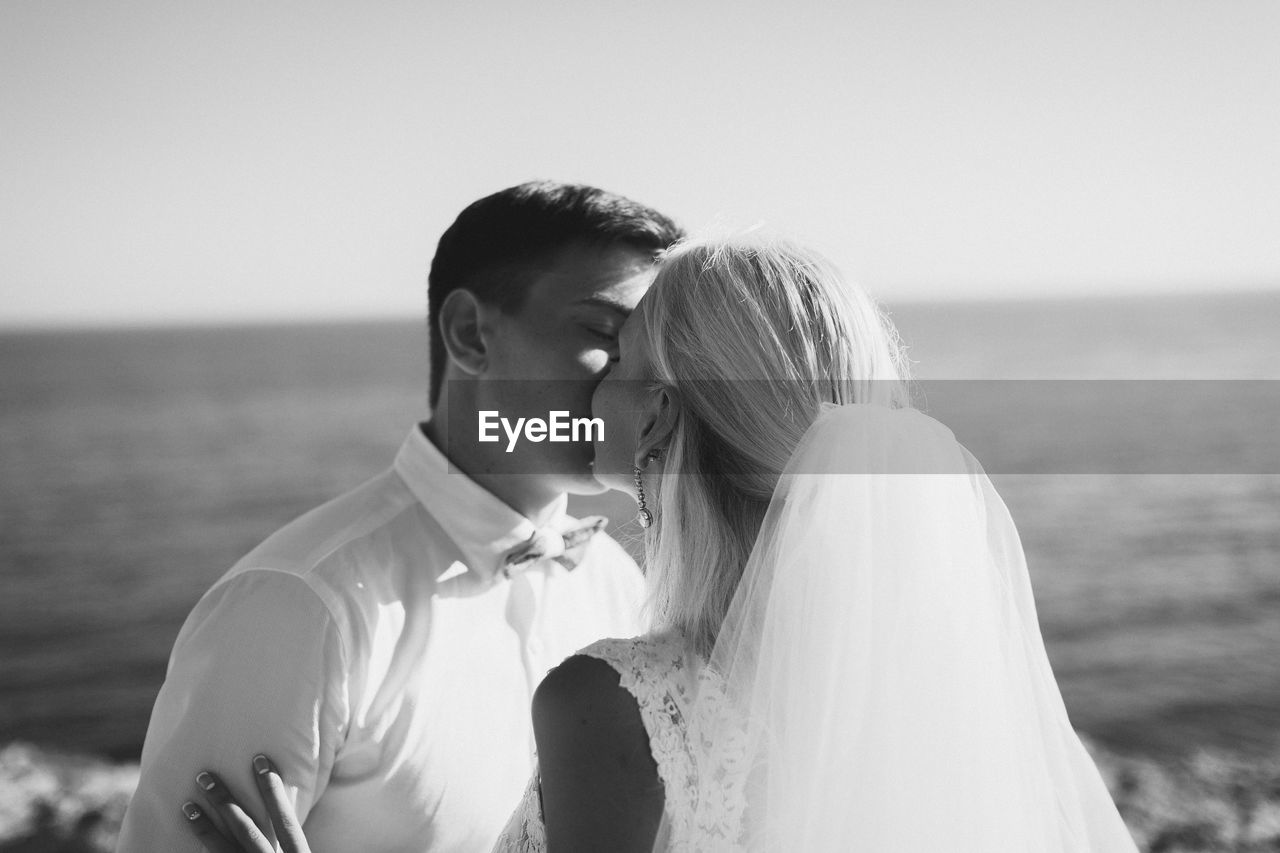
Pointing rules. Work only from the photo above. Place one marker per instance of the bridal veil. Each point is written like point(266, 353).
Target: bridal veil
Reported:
point(882, 665)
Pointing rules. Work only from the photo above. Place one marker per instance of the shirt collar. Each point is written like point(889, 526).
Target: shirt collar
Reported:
point(481, 525)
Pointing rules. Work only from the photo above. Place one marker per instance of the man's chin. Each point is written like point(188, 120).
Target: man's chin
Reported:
point(574, 473)
point(584, 484)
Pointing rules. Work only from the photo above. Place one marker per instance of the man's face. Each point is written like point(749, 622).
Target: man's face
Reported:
point(558, 346)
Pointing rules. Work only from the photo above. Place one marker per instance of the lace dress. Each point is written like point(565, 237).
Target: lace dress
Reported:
point(704, 805)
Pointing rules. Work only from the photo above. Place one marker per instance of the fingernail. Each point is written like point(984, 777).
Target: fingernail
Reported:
point(191, 810)
point(262, 765)
point(205, 780)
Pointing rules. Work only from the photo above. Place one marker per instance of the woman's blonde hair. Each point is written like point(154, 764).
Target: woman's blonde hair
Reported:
point(749, 336)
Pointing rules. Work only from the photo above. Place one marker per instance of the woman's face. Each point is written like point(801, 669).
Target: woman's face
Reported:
point(620, 401)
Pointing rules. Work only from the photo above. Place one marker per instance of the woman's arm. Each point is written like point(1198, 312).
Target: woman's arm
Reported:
point(600, 786)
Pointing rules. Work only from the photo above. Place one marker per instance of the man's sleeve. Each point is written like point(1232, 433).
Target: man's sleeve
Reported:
point(258, 667)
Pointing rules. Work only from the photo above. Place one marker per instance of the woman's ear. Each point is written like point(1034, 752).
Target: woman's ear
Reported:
point(460, 327)
point(657, 423)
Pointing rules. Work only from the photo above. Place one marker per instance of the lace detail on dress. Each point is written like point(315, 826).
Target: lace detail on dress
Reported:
point(525, 832)
point(720, 808)
point(704, 805)
point(654, 670)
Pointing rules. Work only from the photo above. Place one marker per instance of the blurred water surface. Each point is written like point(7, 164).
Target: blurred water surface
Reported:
point(139, 465)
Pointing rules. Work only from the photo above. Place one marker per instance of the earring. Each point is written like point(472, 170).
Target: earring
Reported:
point(644, 516)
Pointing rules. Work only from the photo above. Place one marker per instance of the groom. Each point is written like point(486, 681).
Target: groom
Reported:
point(384, 647)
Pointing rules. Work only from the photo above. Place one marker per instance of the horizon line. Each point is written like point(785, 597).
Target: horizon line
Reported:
point(45, 325)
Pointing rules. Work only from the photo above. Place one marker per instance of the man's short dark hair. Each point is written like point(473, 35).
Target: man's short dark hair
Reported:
point(495, 246)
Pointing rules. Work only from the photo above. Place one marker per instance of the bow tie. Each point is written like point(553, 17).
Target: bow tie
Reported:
point(566, 547)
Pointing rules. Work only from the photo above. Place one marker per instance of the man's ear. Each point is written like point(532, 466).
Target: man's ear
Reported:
point(461, 328)
point(657, 423)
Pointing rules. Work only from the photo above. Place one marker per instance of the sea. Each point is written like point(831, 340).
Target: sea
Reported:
point(137, 465)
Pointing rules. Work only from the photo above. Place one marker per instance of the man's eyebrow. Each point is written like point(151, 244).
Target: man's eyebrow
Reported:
point(607, 303)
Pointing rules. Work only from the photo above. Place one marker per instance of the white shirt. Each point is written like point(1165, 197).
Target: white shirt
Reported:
point(375, 652)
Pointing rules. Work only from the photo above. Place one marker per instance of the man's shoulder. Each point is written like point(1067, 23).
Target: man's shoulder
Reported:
point(327, 569)
point(330, 564)
point(313, 545)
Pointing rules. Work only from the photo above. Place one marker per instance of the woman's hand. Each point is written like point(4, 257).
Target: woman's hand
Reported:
point(246, 836)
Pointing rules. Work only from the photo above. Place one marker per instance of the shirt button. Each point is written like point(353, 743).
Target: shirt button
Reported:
point(535, 647)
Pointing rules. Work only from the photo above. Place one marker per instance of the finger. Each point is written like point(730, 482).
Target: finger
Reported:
point(279, 808)
point(200, 824)
point(242, 828)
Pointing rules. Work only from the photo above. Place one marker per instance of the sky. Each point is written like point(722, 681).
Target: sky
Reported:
point(228, 162)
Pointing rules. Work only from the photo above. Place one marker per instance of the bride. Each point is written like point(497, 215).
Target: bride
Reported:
point(846, 653)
